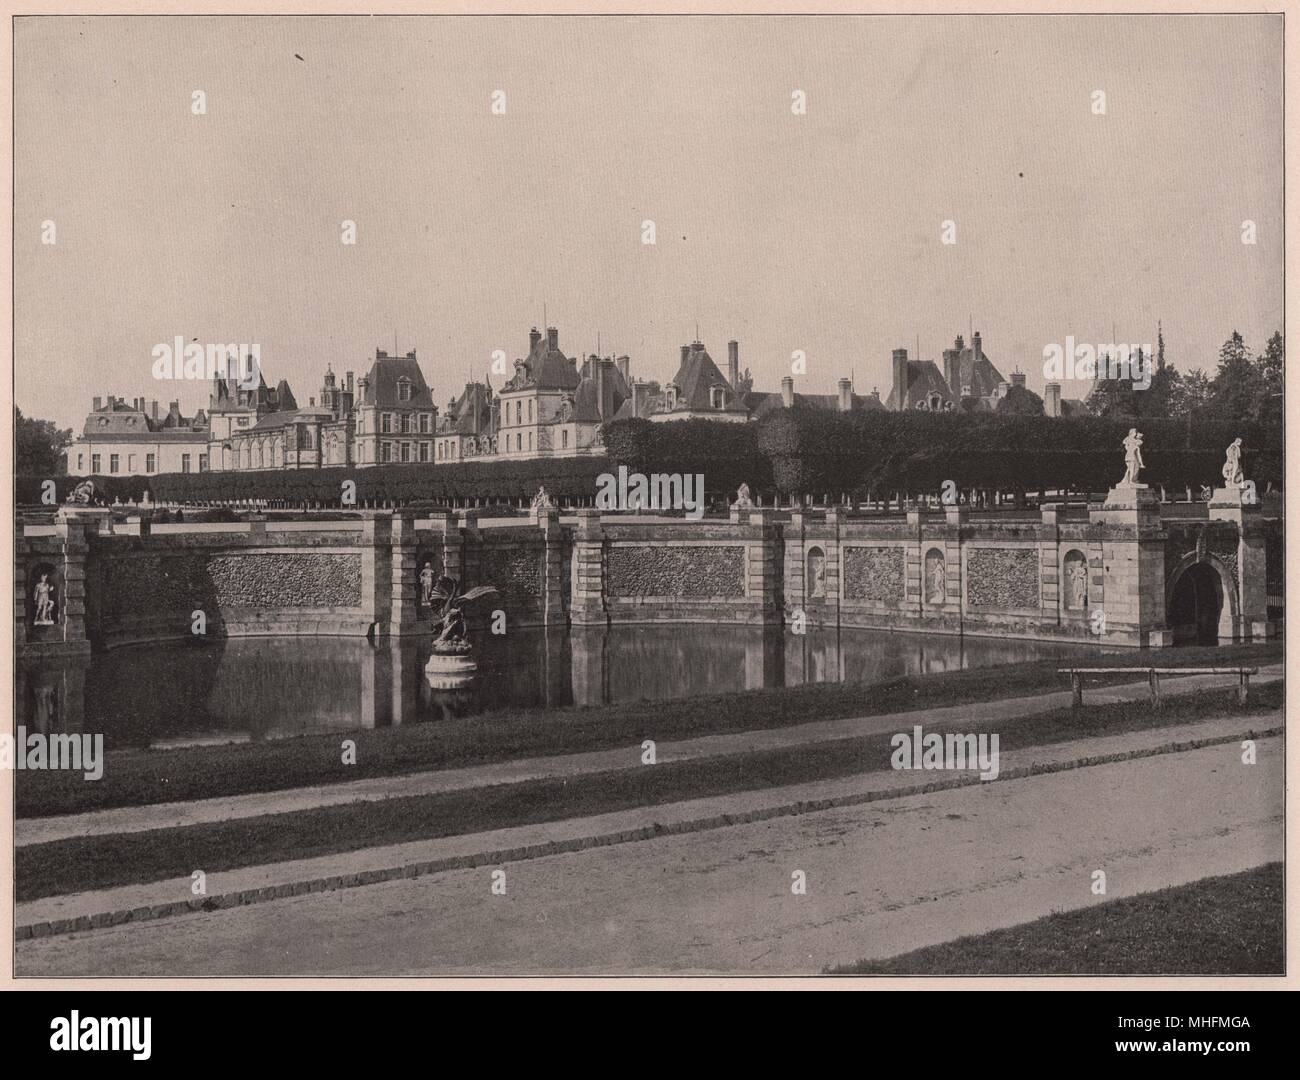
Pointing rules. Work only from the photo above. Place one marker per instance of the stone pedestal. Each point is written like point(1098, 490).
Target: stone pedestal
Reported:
point(1133, 564)
point(1232, 503)
point(588, 591)
point(93, 519)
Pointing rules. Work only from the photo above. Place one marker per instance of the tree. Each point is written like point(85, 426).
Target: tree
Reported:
point(1271, 378)
point(1235, 389)
point(39, 446)
point(1191, 397)
point(1020, 401)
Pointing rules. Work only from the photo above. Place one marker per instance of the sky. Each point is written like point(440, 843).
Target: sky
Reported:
point(820, 233)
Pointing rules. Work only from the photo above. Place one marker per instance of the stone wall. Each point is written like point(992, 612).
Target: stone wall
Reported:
point(1103, 578)
point(694, 572)
point(873, 573)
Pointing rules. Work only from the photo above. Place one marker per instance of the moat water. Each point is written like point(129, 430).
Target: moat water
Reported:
point(265, 688)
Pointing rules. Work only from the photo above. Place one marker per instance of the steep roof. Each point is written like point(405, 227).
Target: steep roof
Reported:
point(923, 379)
point(696, 377)
point(383, 377)
point(118, 417)
point(649, 399)
point(469, 414)
point(761, 402)
point(276, 420)
point(545, 367)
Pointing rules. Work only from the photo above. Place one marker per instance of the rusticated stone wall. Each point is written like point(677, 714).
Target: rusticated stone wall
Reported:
point(142, 584)
point(1002, 577)
point(873, 573)
point(689, 572)
point(515, 572)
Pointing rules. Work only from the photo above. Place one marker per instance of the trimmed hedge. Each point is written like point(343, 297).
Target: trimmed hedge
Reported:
point(798, 451)
point(391, 485)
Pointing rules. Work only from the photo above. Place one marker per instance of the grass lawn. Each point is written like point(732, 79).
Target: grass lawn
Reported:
point(94, 862)
point(140, 777)
point(1228, 925)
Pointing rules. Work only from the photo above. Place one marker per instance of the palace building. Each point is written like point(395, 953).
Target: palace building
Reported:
point(122, 438)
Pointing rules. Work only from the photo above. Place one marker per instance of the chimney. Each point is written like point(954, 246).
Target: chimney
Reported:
point(349, 382)
point(636, 398)
point(534, 336)
point(552, 338)
point(625, 368)
point(787, 392)
point(952, 369)
point(1018, 378)
point(607, 389)
point(1053, 399)
point(599, 376)
point(846, 395)
point(686, 351)
point(153, 409)
point(976, 347)
point(900, 379)
point(96, 403)
point(733, 363)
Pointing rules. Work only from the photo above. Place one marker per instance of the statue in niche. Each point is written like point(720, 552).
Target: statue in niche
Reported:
point(426, 585)
point(47, 709)
point(1133, 462)
point(44, 597)
point(816, 573)
point(1232, 466)
point(1076, 581)
point(743, 499)
point(936, 577)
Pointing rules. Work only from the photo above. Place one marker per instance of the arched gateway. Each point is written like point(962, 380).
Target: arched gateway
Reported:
point(1199, 607)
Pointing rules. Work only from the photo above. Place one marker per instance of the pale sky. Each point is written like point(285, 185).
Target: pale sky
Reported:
point(818, 232)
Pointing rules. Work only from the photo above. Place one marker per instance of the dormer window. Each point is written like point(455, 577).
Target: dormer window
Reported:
point(716, 397)
point(403, 389)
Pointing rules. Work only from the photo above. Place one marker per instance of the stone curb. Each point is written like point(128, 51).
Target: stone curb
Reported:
point(559, 847)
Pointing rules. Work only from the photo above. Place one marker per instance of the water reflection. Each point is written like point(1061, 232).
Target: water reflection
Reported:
point(264, 688)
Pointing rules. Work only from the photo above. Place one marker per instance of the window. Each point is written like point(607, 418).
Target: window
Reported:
point(94, 463)
point(425, 421)
point(151, 463)
point(81, 462)
point(715, 397)
point(564, 438)
point(185, 463)
point(130, 463)
point(406, 451)
point(403, 389)
point(385, 452)
point(406, 423)
point(203, 463)
point(114, 460)
point(530, 410)
point(424, 451)
point(530, 440)
point(386, 423)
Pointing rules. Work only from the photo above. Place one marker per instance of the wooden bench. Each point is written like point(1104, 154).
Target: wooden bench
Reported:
point(1153, 676)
